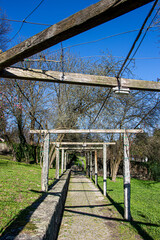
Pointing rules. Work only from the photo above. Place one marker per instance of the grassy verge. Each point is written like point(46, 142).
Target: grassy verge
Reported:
point(145, 209)
point(81, 161)
point(20, 187)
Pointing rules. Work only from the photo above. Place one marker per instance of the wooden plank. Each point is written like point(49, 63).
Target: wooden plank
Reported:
point(59, 131)
point(45, 168)
point(78, 79)
point(96, 168)
point(126, 179)
point(92, 16)
point(104, 170)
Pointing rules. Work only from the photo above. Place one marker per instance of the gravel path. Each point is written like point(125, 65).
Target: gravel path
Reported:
point(85, 211)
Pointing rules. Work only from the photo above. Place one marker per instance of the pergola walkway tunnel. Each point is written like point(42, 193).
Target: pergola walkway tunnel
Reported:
point(87, 147)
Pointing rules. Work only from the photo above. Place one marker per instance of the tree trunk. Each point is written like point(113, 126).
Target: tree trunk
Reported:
point(32, 127)
point(114, 163)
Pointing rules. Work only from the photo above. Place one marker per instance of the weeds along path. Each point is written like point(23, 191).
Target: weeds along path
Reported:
point(85, 211)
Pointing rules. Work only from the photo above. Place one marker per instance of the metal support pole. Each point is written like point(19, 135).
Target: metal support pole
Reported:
point(126, 179)
point(62, 161)
point(57, 161)
point(96, 169)
point(104, 169)
point(45, 168)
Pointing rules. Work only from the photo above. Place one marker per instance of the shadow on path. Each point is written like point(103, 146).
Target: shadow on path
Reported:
point(135, 224)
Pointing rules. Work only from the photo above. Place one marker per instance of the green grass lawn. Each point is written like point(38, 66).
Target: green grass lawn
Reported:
point(145, 205)
point(79, 160)
point(20, 187)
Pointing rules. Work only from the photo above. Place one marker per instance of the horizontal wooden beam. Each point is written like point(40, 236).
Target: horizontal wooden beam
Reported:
point(81, 148)
point(60, 131)
point(78, 79)
point(84, 144)
point(92, 16)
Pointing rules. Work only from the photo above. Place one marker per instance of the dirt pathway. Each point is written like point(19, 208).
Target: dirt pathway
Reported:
point(85, 211)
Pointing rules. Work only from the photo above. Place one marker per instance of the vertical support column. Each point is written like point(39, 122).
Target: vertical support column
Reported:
point(45, 168)
point(86, 161)
point(65, 160)
point(91, 164)
point(88, 164)
point(126, 179)
point(104, 169)
point(62, 161)
point(57, 161)
point(96, 169)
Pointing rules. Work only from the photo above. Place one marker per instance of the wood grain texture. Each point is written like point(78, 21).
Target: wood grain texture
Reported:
point(92, 16)
point(58, 131)
point(77, 79)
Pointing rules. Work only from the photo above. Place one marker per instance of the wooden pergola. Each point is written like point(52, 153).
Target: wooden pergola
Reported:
point(92, 16)
point(126, 163)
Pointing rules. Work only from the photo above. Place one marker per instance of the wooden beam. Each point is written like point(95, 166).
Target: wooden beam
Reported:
point(59, 131)
point(78, 79)
point(80, 148)
point(84, 144)
point(92, 16)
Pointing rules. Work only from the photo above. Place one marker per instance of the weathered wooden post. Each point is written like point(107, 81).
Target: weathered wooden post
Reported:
point(96, 169)
point(91, 164)
point(62, 161)
point(104, 169)
point(45, 168)
point(65, 160)
point(57, 161)
point(88, 164)
point(86, 161)
point(126, 178)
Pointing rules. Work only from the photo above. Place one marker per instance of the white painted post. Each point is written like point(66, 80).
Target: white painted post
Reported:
point(62, 161)
point(126, 179)
point(45, 168)
point(65, 160)
point(91, 164)
point(96, 169)
point(86, 161)
point(104, 169)
point(57, 161)
point(88, 165)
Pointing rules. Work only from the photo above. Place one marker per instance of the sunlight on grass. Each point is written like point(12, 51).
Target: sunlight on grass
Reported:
point(145, 200)
point(20, 186)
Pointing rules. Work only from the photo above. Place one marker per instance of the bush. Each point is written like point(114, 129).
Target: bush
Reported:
point(154, 169)
point(27, 153)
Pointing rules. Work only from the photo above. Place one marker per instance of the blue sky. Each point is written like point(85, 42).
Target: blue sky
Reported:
point(51, 12)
